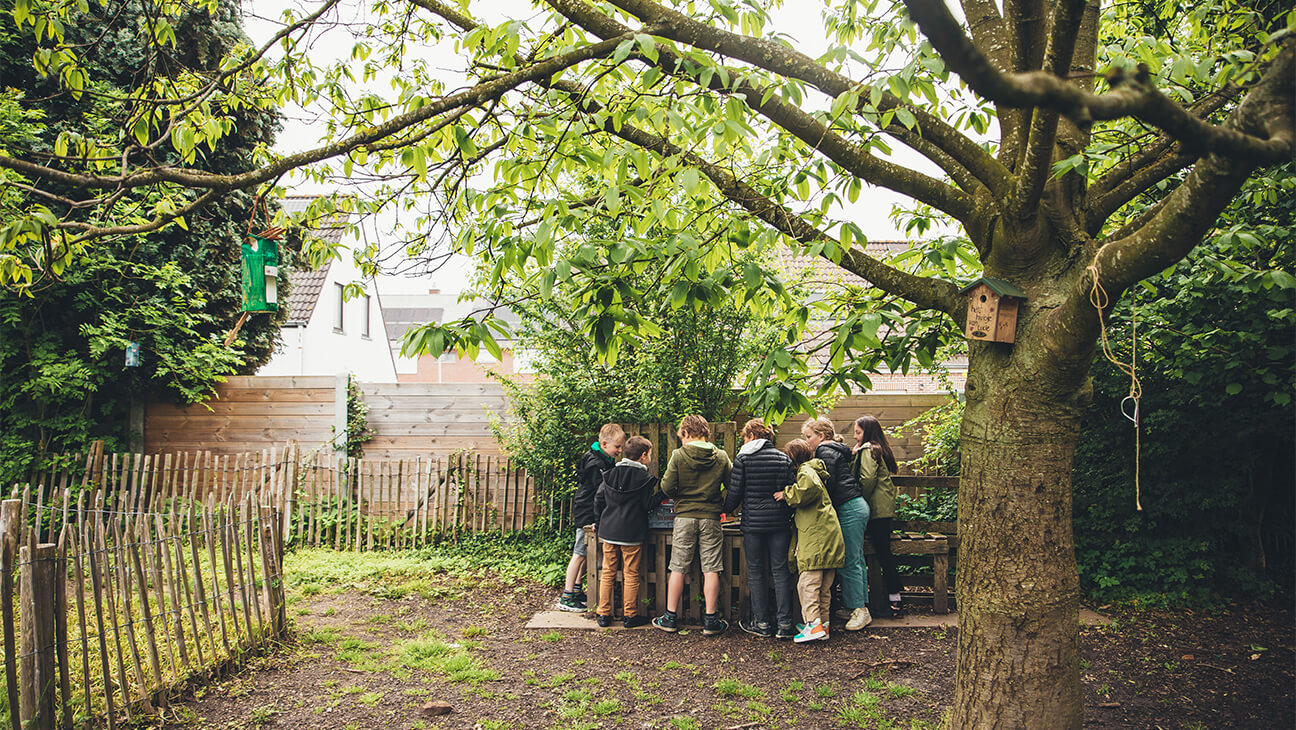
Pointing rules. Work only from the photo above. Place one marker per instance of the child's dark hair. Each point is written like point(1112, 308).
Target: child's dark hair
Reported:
point(756, 429)
point(695, 426)
point(871, 433)
point(636, 447)
point(799, 451)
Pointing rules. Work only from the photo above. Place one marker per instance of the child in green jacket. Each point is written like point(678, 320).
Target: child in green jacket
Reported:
point(818, 545)
point(873, 465)
point(694, 477)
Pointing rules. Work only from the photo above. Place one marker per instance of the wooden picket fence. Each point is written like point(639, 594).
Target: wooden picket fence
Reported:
point(117, 607)
point(362, 504)
point(323, 500)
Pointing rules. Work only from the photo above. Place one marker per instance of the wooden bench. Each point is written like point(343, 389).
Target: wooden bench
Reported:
point(909, 542)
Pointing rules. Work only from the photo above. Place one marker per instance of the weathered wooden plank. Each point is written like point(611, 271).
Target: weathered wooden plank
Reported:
point(78, 568)
point(250, 535)
point(36, 580)
point(93, 560)
point(219, 410)
point(122, 578)
point(211, 524)
point(60, 624)
point(11, 519)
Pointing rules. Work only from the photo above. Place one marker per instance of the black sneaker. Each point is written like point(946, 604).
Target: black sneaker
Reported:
point(634, 622)
point(785, 631)
point(580, 596)
point(713, 625)
point(571, 603)
point(666, 622)
point(756, 628)
point(604, 621)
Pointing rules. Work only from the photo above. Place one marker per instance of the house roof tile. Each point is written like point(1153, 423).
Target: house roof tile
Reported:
point(308, 283)
point(819, 270)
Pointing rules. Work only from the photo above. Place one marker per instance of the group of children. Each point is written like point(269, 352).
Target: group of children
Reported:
point(810, 507)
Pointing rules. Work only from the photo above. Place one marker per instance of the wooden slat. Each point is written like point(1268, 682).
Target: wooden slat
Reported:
point(11, 519)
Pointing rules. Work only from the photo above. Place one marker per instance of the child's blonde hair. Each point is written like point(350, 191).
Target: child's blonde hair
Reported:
point(610, 433)
point(822, 426)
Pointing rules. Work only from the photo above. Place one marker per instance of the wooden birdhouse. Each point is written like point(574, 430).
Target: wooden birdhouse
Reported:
point(261, 272)
point(992, 309)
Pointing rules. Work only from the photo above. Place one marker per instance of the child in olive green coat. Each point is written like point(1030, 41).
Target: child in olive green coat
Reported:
point(817, 547)
point(873, 465)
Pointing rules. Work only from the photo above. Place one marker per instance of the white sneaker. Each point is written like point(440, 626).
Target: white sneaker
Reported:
point(814, 631)
point(859, 618)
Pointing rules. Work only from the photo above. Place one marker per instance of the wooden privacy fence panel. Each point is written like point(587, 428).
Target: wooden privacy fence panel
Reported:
point(665, 439)
point(249, 413)
point(891, 410)
point(423, 419)
point(117, 607)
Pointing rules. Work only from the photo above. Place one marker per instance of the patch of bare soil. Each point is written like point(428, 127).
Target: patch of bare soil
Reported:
point(348, 668)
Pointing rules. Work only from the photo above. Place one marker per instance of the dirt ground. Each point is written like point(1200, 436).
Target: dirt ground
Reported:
point(376, 656)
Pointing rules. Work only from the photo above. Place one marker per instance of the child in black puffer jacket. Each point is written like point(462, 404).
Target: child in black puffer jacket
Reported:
point(760, 470)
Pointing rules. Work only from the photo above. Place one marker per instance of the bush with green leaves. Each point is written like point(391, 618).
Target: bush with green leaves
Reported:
point(1215, 470)
point(67, 313)
point(685, 360)
point(1215, 466)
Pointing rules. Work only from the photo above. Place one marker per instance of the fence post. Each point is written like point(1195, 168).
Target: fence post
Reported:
point(340, 415)
point(36, 591)
point(271, 572)
point(10, 518)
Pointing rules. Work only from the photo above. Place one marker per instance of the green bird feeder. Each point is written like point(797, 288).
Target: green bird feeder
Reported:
point(260, 274)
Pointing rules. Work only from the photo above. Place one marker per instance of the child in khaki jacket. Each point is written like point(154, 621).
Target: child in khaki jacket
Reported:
point(818, 544)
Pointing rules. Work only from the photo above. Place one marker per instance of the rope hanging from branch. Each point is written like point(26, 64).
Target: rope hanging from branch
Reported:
point(1099, 298)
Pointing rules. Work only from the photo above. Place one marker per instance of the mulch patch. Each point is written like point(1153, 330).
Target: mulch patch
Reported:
point(1151, 669)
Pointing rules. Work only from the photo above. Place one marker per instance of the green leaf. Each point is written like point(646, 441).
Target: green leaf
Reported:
point(689, 179)
point(465, 144)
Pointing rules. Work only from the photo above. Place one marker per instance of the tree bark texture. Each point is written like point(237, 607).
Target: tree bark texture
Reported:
point(1017, 585)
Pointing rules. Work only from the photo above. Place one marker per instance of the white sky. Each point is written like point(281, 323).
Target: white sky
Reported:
point(872, 212)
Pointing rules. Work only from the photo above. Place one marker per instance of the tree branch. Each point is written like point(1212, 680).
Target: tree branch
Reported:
point(1150, 153)
point(1177, 224)
point(476, 95)
point(804, 126)
point(778, 58)
point(1041, 140)
point(1136, 98)
point(1142, 179)
point(925, 292)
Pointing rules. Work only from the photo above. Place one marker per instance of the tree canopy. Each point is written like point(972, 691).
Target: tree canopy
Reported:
point(1039, 125)
point(67, 315)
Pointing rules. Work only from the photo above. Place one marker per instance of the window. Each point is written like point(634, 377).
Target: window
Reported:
point(364, 325)
point(339, 319)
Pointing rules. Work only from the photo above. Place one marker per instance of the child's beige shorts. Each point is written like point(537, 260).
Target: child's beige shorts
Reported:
point(696, 534)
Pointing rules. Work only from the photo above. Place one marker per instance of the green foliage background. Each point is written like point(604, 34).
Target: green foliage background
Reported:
point(686, 361)
point(63, 381)
point(1217, 472)
point(1216, 469)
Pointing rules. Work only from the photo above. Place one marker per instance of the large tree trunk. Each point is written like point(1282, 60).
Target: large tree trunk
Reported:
point(1017, 587)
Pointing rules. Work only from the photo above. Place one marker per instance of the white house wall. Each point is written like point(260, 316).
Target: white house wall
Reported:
point(320, 349)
